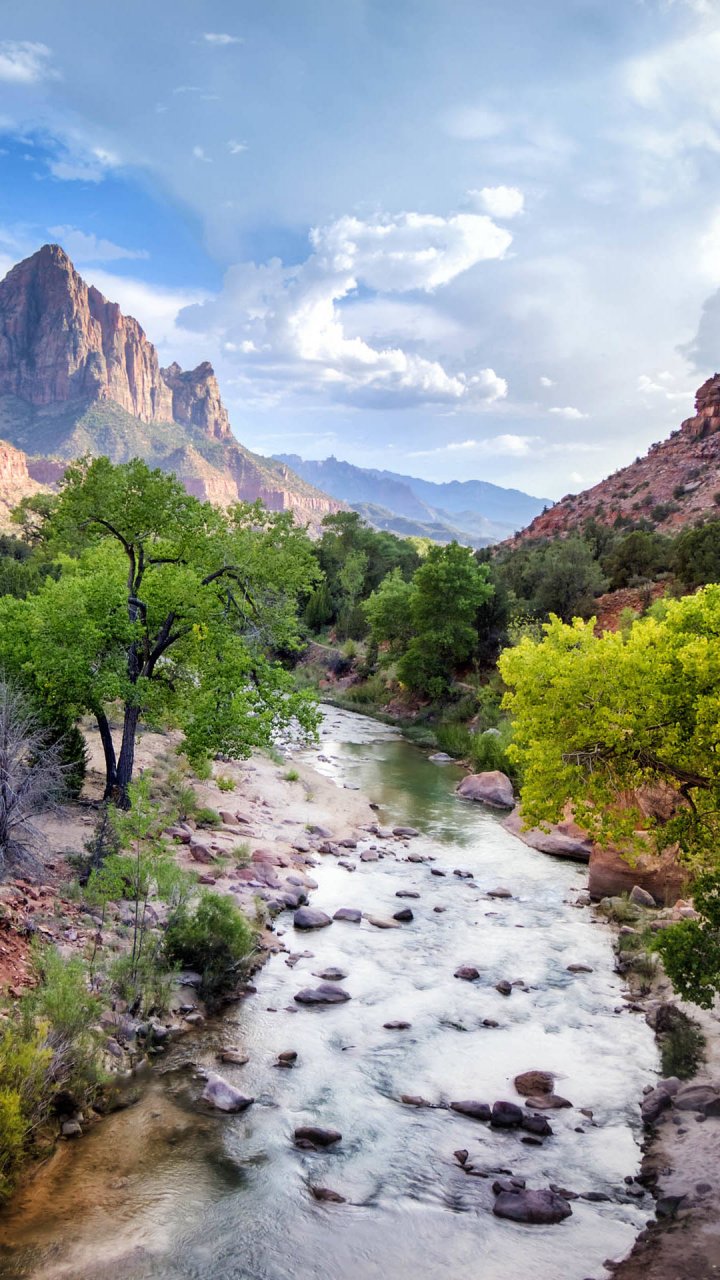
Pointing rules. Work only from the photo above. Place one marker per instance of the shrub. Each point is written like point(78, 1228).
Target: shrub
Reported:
point(292, 775)
point(24, 1061)
point(63, 1003)
point(241, 853)
point(682, 1043)
point(214, 938)
point(206, 817)
point(225, 784)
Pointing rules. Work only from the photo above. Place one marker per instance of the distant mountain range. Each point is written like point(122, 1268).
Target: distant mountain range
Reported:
point(77, 376)
point(471, 511)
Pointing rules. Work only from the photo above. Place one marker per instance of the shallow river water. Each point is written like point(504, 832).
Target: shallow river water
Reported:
point(159, 1192)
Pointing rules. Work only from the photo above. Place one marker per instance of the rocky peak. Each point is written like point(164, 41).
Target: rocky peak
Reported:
point(196, 399)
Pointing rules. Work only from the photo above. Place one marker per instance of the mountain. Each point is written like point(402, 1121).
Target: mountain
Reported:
point(675, 484)
point(473, 511)
point(77, 376)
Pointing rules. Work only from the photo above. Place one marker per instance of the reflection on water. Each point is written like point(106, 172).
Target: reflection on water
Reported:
point(158, 1191)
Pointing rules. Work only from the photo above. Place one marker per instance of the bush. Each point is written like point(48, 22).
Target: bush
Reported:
point(213, 939)
point(682, 1043)
point(292, 775)
point(206, 817)
point(24, 1061)
point(63, 1003)
point(368, 693)
point(225, 784)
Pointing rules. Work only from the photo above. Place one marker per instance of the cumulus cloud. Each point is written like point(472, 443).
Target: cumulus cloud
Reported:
point(85, 246)
point(287, 324)
point(568, 411)
point(25, 62)
point(236, 148)
point(500, 202)
point(199, 153)
point(545, 381)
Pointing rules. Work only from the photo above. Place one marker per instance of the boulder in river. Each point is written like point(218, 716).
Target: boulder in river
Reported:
point(537, 1125)
point(326, 1196)
point(332, 974)
point(312, 1136)
point(474, 1110)
point(326, 993)
point(504, 987)
point(396, 1025)
point(233, 1055)
point(403, 915)
point(529, 1083)
point(506, 1115)
point(222, 1095)
point(641, 898)
point(492, 787)
point(535, 1207)
point(467, 972)
point(352, 914)
point(547, 1102)
point(381, 922)
point(311, 918)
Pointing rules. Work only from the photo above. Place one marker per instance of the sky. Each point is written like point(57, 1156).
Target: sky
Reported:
point(452, 238)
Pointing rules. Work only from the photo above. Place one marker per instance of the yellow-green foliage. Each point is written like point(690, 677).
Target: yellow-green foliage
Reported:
point(24, 1063)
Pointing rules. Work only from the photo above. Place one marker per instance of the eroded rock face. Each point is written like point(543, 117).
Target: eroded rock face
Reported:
point(196, 399)
point(63, 341)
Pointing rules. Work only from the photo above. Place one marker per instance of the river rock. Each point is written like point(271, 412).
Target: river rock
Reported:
point(407, 893)
point(536, 1125)
point(315, 1136)
point(499, 893)
point(535, 1207)
point(467, 972)
point(326, 1196)
point(547, 1102)
point(504, 987)
point(222, 1095)
point(506, 1115)
point(641, 898)
point(474, 1110)
point(396, 1025)
point(311, 918)
point(351, 914)
point(408, 832)
point(440, 757)
point(491, 787)
point(369, 855)
point(232, 1055)
point(563, 840)
point(507, 1184)
point(332, 974)
point(403, 915)
point(697, 1097)
point(529, 1083)
point(326, 993)
point(380, 922)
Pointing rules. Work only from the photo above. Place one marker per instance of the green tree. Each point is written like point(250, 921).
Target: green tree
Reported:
point(696, 555)
point(389, 613)
point(448, 590)
point(167, 605)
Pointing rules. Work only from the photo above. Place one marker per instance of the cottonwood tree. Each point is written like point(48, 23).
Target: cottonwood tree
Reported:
point(447, 592)
point(167, 607)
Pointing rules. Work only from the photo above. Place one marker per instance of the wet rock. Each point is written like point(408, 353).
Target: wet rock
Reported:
point(564, 839)
point(231, 1054)
point(491, 787)
point(369, 855)
point(408, 832)
point(316, 1137)
point(332, 974)
point(529, 1083)
point(499, 893)
point(329, 847)
point(404, 915)
point(579, 968)
point(461, 1156)
point(507, 1184)
point(351, 914)
point(222, 1095)
point(436, 871)
point(326, 993)
point(490, 1022)
point(396, 1025)
point(380, 922)
point(548, 1102)
point(311, 918)
point(537, 1125)
point(641, 898)
point(535, 1207)
point(467, 972)
point(414, 1100)
point(504, 987)
point(506, 1115)
point(474, 1110)
point(407, 893)
point(348, 843)
point(416, 857)
point(440, 757)
point(462, 873)
point(326, 1196)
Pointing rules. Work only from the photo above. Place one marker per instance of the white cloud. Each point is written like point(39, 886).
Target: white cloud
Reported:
point(662, 385)
point(500, 202)
point(568, 411)
point(91, 165)
point(25, 62)
point(508, 445)
point(288, 323)
point(236, 148)
point(199, 153)
point(220, 38)
point(546, 382)
point(87, 247)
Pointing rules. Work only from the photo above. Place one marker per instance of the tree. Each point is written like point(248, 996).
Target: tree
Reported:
point(448, 590)
point(31, 775)
point(170, 607)
point(389, 613)
point(559, 577)
point(696, 555)
point(640, 554)
point(599, 719)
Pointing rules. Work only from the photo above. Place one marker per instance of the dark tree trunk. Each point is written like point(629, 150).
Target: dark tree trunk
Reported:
point(108, 747)
point(126, 760)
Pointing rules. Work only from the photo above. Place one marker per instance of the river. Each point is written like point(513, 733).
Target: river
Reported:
point(161, 1192)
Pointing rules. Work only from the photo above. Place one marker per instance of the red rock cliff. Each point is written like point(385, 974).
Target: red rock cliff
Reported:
point(196, 400)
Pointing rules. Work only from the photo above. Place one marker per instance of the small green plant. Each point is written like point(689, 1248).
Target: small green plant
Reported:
point(241, 853)
point(276, 756)
point(214, 938)
point(224, 783)
point(291, 775)
point(349, 650)
point(207, 817)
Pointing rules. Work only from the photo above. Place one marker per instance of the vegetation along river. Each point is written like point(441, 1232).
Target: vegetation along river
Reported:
point(161, 1190)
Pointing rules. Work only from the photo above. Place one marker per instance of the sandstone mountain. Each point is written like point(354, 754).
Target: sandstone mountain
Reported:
point(676, 483)
point(77, 376)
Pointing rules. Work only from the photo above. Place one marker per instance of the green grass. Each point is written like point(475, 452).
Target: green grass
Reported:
point(291, 775)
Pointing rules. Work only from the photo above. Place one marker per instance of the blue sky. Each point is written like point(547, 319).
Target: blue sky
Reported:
point(456, 238)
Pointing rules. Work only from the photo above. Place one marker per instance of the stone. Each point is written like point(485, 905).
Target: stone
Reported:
point(201, 853)
point(467, 972)
point(332, 974)
point(563, 840)
point(491, 788)
point(326, 993)
point(440, 757)
point(547, 1102)
point(579, 968)
point(507, 1184)
point(223, 1096)
point(396, 1025)
point(641, 898)
point(506, 1115)
point(408, 833)
point(232, 1055)
point(317, 1137)
point(696, 1097)
point(534, 1207)
point(529, 1083)
point(311, 918)
point(380, 922)
point(369, 855)
point(474, 1110)
point(71, 1129)
point(461, 1156)
point(499, 893)
point(326, 1196)
point(351, 914)
point(404, 915)
point(504, 987)
point(537, 1125)
point(407, 893)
